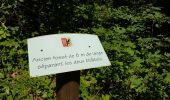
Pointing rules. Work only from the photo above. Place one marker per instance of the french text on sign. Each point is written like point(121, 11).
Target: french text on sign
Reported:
point(60, 53)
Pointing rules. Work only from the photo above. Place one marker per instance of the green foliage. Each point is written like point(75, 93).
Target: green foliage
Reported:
point(133, 40)
point(14, 78)
point(135, 35)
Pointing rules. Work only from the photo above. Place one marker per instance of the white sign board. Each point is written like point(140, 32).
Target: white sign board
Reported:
point(60, 53)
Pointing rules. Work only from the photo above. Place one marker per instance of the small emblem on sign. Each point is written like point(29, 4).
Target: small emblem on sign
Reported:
point(66, 42)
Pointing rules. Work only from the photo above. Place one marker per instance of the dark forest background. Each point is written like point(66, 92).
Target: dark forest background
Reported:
point(135, 34)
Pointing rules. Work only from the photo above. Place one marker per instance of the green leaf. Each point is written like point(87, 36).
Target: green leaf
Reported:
point(167, 78)
point(135, 82)
point(1, 32)
point(9, 97)
point(106, 97)
point(1, 75)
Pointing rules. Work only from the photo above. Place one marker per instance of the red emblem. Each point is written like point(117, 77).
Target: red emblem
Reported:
point(66, 42)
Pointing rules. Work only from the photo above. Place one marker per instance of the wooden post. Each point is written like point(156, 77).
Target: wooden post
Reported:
point(68, 85)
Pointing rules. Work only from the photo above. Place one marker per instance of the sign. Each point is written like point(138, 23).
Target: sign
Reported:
point(60, 53)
